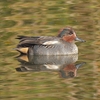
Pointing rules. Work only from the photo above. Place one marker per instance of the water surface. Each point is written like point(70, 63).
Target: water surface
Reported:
point(29, 17)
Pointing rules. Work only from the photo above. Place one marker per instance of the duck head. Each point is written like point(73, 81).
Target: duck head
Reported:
point(69, 35)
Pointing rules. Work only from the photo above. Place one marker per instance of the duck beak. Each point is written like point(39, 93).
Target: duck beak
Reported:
point(78, 39)
point(80, 64)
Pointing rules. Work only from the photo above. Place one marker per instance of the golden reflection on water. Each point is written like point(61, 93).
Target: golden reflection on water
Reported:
point(29, 17)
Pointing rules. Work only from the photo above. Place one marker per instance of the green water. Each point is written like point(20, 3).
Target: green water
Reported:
point(46, 17)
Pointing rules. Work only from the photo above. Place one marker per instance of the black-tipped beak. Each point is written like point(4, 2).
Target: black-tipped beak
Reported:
point(80, 40)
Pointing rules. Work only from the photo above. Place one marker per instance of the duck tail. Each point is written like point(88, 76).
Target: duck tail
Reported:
point(23, 50)
point(21, 37)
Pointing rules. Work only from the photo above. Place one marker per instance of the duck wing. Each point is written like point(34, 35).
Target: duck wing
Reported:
point(26, 41)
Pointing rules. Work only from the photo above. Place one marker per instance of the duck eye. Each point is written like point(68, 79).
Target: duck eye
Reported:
point(70, 32)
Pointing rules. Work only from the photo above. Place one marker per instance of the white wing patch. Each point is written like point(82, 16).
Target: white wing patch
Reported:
point(53, 67)
point(50, 42)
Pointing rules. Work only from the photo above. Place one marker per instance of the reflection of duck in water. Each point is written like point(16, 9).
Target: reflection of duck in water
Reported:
point(63, 44)
point(70, 70)
point(63, 64)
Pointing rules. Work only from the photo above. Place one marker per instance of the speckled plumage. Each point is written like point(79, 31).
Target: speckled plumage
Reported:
point(63, 44)
point(63, 48)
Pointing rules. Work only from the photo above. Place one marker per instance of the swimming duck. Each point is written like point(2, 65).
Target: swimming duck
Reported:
point(63, 44)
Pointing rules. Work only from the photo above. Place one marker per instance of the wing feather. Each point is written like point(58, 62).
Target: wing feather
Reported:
point(26, 41)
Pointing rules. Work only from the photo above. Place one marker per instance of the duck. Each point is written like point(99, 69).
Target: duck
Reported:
point(62, 44)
